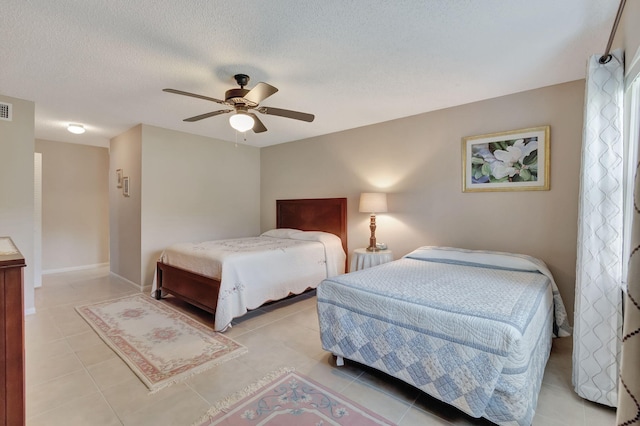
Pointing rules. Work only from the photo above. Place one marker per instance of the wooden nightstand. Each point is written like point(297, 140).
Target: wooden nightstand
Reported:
point(362, 259)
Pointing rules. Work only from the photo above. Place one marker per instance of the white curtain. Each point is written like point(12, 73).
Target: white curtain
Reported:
point(598, 302)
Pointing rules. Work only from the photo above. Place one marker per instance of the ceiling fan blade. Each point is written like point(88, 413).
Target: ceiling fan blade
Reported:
point(296, 115)
point(260, 92)
point(207, 115)
point(194, 95)
point(258, 126)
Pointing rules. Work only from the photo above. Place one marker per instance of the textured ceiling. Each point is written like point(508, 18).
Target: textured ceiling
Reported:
point(104, 63)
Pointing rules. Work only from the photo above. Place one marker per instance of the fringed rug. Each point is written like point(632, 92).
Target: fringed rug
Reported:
point(161, 345)
point(285, 398)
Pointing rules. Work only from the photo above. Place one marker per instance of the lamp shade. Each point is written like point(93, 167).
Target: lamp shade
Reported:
point(241, 121)
point(373, 202)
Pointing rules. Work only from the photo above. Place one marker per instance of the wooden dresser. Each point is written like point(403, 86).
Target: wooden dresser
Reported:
point(12, 392)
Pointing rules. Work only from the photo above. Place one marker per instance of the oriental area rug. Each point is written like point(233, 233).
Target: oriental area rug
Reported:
point(285, 398)
point(160, 344)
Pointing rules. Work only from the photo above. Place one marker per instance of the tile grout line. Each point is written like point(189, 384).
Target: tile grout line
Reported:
point(93, 380)
point(75, 354)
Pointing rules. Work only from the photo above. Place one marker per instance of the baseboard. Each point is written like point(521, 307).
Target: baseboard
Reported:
point(137, 286)
point(74, 268)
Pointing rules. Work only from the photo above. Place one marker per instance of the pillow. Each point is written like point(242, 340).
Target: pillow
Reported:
point(518, 262)
point(316, 236)
point(280, 233)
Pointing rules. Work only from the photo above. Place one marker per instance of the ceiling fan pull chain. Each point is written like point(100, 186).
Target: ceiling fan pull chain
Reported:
point(244, 137)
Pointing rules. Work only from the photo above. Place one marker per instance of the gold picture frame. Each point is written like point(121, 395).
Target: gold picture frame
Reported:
point(516, 160)
point(119, 178)
point(125, 186)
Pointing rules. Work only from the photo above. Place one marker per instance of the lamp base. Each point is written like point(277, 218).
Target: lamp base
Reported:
point(372, 239)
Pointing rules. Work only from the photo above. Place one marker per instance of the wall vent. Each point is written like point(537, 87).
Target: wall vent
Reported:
point(6, 111)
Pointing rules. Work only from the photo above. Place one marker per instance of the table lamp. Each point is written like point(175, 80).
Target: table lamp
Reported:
point(373, 202)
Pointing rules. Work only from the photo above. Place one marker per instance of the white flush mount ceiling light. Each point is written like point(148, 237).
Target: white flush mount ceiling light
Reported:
point(77, 129)
point(241, 121)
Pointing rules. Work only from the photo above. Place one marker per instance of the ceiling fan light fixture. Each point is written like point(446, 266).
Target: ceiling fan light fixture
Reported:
point(75, 128)
point(241, 121)
point(243, 101)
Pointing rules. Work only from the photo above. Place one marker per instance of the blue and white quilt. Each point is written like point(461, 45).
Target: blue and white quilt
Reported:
point(471, 328)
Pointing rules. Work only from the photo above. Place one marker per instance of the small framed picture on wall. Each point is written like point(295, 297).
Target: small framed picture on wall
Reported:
point(516, 160)
point(125, 186)
point(119, 178)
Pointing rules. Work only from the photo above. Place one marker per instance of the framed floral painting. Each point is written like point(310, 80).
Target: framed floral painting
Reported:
point(517, 160)
point(125, 186)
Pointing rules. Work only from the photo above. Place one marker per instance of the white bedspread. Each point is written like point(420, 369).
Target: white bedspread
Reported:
point(255, 270)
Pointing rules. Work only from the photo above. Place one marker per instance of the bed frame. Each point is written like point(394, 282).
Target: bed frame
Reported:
point(318, 214)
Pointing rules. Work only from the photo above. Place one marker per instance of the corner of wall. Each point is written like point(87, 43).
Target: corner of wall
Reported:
point(17, 185)
point(124, 211)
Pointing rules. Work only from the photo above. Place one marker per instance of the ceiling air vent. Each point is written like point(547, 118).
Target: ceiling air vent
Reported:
point(6, 111)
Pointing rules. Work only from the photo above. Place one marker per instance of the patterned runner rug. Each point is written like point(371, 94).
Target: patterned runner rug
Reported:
point(161, 345)
point(285, 398)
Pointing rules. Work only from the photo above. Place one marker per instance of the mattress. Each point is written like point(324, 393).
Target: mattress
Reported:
point(472, 329)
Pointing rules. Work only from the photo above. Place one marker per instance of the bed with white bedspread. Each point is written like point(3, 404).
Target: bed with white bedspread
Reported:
point(471, 328)
point(254, 270)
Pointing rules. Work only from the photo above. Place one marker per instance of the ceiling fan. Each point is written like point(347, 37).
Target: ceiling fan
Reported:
point(243, 101)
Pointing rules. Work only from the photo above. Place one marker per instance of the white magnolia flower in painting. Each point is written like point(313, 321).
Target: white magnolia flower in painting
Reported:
point(513, 155)
point(481, 150)
point(499, 170)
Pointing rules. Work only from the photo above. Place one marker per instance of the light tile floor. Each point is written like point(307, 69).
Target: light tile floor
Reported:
point(73, 378)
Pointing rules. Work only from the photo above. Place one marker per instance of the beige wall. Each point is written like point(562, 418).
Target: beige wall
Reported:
point(183, 188)
point(125, 152)
point(195, 189)
point(75, 205)
point(16, 186)
point(628, 34)
point(417, 161)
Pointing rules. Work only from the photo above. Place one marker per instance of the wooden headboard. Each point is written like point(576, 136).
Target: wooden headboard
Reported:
point(316, 214)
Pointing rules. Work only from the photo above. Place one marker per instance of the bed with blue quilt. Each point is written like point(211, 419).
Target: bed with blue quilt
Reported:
point(470, 328)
